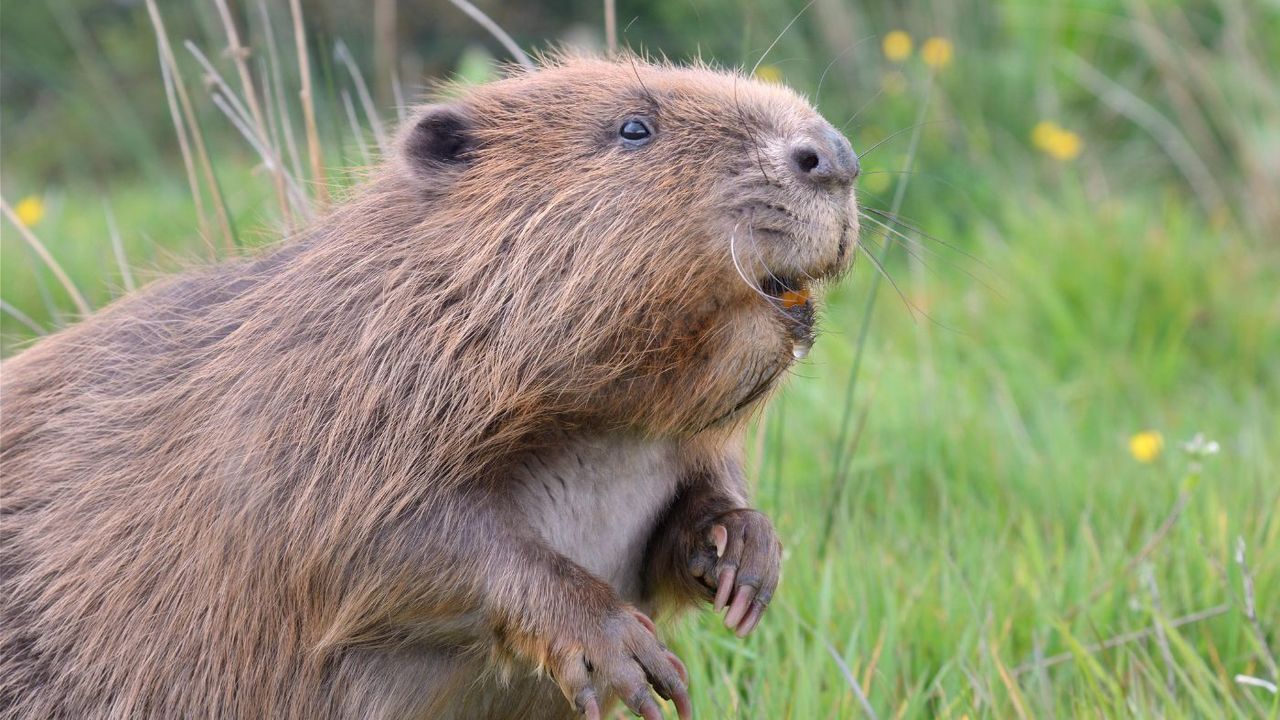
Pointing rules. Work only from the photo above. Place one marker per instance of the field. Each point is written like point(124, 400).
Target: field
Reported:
point(986, 475)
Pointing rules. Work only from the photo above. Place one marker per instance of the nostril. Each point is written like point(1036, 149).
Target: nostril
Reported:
point(806, 159)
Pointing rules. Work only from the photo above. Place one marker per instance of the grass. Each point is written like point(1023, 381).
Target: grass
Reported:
point(993, 513)
point(980, 542)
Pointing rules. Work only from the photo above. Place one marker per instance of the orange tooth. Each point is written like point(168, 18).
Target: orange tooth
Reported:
point(794, 298)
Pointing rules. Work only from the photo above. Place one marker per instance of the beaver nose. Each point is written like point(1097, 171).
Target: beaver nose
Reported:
point(825, 159)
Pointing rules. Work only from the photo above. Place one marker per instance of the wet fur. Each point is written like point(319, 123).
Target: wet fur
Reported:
point(340, 478)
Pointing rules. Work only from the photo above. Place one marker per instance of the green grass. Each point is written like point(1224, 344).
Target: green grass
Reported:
point(993, 511)
point(990, 518)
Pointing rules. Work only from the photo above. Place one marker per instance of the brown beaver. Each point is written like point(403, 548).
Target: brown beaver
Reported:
point(438, 455)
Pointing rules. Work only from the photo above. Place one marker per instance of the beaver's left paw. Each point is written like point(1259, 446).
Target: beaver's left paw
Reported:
point(739, 561)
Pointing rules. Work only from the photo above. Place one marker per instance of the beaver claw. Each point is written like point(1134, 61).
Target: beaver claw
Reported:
point(623, 658)
point(739, 561)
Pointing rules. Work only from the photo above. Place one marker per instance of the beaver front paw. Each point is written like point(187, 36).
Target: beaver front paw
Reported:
point(620, 656)
point(739, 561)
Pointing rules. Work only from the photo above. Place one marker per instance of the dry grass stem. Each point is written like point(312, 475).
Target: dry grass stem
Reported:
point(240, 56)
point(343, 55)
point(1251, 612)
point(1162, 640)
point(226, 101)
point(39, 248)
point(1123, 639)
point(611, 25)
point(22, 318)
point(851, 680)
point(170, 64)
point(117, 248)
point(497, 32)
point(308, 107)
point(356, 130)
point(277, 92)
point(1149, 547)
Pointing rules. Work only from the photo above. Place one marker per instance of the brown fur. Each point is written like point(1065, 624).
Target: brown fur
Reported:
point(290, 485)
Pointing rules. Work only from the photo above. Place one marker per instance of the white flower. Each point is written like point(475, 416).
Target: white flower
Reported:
point(1200, 446)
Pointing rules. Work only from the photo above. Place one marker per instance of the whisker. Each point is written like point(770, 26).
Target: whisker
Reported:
point(635, 71)
point(755, 246)
point(915, 308)
point(733, 255)
point(916, 173)
point(908, 245)
point(755, 144)
point(759, 255)
point(760, 258)
point(817, 93)
point(883, 215)
point(895, 134)
point(784, 32)
point(864, 106)
point(910, 242)
point(890, 223)
point(885, 274)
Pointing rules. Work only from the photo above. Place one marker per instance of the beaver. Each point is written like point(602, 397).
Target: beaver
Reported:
point(447, 451)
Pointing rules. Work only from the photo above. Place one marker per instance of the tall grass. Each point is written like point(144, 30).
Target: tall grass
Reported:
point(967, 533)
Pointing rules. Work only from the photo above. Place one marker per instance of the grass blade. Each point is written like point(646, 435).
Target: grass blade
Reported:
point(39, 248)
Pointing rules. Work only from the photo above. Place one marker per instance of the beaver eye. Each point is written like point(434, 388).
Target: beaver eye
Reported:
point(635, 132)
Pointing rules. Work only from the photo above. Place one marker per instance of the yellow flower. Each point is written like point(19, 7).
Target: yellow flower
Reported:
point(897, 46)
point(29, 210)
point(1056, 142)
point(1043, 133)
point(936, 52)
point(1146, 445)
point(1066, 146)
point(769, 74)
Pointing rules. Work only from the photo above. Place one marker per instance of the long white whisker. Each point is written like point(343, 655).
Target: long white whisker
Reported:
point(809, 225)
point(760, 258)
point(755, 247)
point(883, 273)
point(844, 126)
point(818, 93)
point(911, 244)
point(897, 221)
point(895, 134)
point(784, 32)
point(733, 254)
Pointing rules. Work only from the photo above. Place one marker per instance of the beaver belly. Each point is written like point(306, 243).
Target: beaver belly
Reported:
point(598, 499)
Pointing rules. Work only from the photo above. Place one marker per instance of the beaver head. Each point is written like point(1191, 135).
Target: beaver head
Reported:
point(654, 231)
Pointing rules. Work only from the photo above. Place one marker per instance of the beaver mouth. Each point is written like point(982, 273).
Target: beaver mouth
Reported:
point(788, 291)
point(791, 295)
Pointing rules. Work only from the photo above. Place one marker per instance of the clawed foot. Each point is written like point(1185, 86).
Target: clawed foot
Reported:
point(621, 656)
point(739, 561)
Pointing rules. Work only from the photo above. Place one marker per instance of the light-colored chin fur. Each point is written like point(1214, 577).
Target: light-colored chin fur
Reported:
point(778, 343)
point(818, 244)
point(815, 257)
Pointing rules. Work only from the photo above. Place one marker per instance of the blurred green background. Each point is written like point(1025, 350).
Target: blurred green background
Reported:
point(980, 474)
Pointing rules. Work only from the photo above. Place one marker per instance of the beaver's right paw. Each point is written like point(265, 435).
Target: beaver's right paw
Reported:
point(621, 656)
point(739, 560)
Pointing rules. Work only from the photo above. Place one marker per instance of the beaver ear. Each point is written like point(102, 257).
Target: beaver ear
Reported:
point(440, 136)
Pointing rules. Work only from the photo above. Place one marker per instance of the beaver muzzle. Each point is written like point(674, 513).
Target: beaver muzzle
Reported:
point(792, 296)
